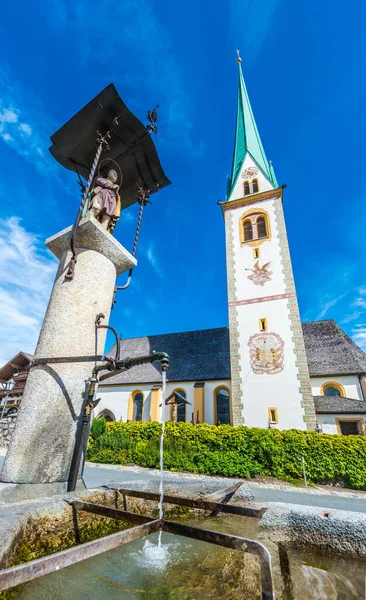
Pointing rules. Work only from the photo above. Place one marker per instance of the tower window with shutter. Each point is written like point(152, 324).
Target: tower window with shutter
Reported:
point(261, 227)
point(248, 231)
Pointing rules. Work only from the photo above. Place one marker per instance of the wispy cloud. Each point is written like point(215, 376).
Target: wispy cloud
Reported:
point(153, 260)
point(359, 335)
point(250, 23)
point(26, 276)
point(326, 303)
point(23, 126)
point(140, 55)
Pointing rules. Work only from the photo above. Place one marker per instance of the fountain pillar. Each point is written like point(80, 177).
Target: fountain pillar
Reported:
point(42, 447)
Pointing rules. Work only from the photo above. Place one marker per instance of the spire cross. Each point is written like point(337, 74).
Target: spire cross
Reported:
point(238, 53)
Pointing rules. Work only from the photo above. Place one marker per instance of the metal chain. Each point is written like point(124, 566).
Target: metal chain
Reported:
point(70, 272)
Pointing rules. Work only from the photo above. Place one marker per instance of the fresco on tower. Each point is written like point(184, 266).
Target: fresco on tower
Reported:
point(260, 275)
point(266, 353)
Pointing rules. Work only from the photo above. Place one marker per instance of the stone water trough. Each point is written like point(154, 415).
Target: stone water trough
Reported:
point(44, 535)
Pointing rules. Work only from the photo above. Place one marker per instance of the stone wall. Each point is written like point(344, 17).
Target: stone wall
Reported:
point(6, 429)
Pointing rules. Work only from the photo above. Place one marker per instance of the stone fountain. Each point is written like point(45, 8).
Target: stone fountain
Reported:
point(114, 151)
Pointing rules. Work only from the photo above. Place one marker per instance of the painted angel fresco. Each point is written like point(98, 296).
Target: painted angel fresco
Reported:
point(260, 275)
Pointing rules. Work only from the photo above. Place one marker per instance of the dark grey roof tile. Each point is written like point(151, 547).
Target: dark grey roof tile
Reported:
point(337, 404)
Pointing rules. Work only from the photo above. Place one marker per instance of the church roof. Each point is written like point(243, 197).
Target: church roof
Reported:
point(205, 354)
point(194, 356)
point(247, 139)
point(337, 404)
point(330, 351)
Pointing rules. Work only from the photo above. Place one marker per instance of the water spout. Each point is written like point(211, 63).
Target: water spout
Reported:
point(119, 366)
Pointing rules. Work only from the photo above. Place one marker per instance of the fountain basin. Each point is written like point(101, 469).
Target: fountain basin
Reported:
point(35, 528)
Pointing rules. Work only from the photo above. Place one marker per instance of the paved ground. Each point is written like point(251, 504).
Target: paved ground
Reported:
point(97, 475)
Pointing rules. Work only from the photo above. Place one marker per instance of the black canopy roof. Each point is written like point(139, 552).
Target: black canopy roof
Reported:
point(74, 145)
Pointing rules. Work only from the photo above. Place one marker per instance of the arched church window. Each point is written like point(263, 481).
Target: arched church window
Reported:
point(246, 188)
point(222, 406)
point(107, 414)
point(261, 227)
point(181, 408)
point(255, 186)
point(331, 388)
point(138, 401)
point(332, 391)
point(248, 230)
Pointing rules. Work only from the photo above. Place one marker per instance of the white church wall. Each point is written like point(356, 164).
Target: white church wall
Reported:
point(351, 384)
point(328, 423)
point(263, 183)
point(115, 399)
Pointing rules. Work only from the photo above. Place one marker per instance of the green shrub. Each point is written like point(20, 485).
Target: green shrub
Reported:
point(98, 427)
point(233, 451)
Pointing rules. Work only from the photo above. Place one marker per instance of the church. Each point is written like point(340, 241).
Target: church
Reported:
point(266, 369)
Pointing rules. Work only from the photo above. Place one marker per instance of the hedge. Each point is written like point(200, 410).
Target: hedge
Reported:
point(233, 451)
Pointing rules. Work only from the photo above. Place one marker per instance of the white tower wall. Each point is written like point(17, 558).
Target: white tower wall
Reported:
point(268, 367)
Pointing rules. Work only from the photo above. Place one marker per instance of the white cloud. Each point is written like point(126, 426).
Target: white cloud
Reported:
point(25, 128)
point(359, 335)
point(30, 136)
point(151, 257)
point(146, 48)
point(326, 304)
point(8, 115)
point(26, 277)
point(7, 137)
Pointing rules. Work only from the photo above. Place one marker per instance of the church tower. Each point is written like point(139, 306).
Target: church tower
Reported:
point(269, 370)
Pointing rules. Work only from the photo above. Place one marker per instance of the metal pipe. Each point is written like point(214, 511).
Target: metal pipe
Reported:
point(128, 363)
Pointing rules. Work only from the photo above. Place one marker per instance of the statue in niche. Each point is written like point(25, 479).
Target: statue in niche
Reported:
point(266, 353)
point(105, 203)
point(260, 275)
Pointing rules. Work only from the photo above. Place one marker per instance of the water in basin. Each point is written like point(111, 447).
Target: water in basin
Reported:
point(185, 569)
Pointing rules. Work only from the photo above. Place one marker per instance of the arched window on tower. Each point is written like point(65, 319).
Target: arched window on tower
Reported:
point(254, 186)
point(261, 227)
point(138, 401)
point(248, 230)
point(222, 406)
point(246, 188)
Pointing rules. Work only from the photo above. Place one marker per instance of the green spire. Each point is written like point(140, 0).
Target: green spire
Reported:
point(247, 139)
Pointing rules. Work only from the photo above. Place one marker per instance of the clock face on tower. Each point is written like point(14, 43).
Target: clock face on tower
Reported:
point(249, 172)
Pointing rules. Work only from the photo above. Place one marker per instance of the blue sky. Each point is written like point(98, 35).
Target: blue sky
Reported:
point(304, 67)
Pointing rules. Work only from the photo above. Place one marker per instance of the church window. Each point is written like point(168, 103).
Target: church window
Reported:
point(222, 406)
point(272, 416)
point(251, 187)
point(107, 415)
point(263, 325)
point(248, 230)
point(261, 227)
point(138, 400)
point(331, 388)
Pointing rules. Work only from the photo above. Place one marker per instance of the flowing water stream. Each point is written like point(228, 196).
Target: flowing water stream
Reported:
point(161, 484)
